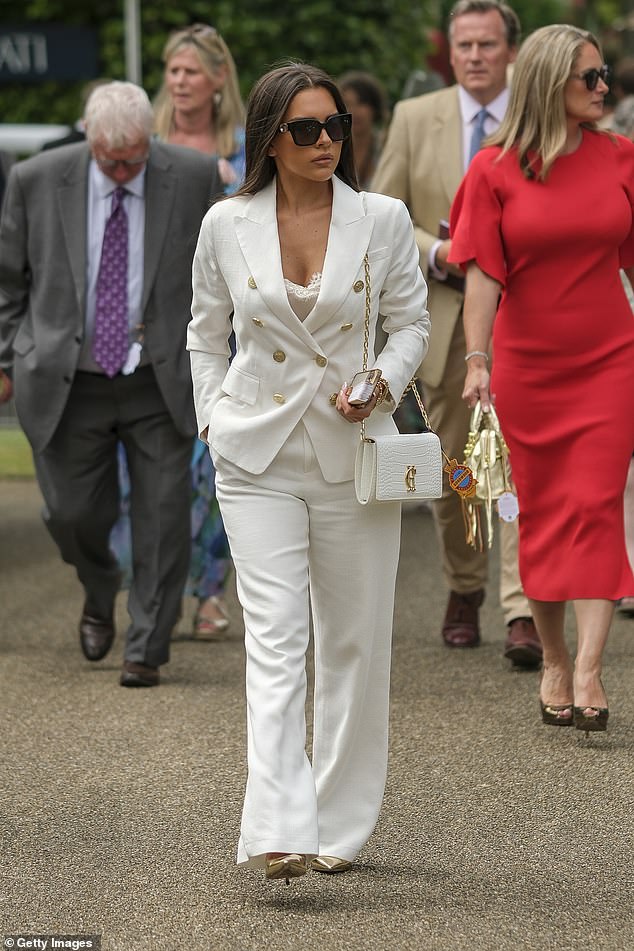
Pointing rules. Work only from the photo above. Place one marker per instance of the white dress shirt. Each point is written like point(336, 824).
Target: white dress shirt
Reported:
point(469, 109)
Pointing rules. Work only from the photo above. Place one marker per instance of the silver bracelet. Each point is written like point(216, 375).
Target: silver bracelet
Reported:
point(476, 353)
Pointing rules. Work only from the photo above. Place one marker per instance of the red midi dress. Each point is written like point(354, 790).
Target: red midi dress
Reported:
point(563, 345)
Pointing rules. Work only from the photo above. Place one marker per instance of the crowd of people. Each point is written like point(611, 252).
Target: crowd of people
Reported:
point(199, 107)
point(430, 143)
point(186, 292)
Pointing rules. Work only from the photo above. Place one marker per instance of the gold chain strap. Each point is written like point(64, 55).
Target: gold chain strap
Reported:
point(366, 329)
point(366, 347)
point(423, 412)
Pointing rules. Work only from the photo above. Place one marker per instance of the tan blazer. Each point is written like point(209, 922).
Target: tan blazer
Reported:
point(286, 370)
point(421, 164)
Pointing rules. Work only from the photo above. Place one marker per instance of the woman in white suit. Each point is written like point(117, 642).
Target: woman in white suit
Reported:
point(282, 264)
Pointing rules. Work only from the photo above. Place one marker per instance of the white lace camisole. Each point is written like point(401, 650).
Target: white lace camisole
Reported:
point(302, 299)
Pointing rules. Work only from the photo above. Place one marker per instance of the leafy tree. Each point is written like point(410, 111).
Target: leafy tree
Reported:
point(383, 36)
point(386, 37)
point(532, 13)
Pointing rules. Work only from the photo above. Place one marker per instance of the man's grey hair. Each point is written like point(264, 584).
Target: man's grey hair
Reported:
point(511, 20)
point(118, 115)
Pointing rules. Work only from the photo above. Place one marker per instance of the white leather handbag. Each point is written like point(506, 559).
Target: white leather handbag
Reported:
point(398, 468)
point(401, 467)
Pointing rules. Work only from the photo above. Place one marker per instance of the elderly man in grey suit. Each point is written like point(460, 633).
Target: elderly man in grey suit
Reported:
point(96, 247)
point(430, 143)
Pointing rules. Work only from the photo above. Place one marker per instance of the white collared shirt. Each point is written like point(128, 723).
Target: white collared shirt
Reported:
point(469, 109)
point(100, 189)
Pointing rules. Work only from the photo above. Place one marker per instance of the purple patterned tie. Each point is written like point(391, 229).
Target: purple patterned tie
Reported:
point(110, 339)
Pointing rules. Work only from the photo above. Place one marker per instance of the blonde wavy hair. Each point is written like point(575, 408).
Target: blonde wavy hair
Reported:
point(213, 53)
point(535, 121)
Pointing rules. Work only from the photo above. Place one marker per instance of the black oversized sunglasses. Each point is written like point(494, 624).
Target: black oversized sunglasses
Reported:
point(592, 76)
point(307, 131)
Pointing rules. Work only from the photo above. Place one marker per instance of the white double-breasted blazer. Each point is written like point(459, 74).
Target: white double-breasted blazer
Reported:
point(286, 370)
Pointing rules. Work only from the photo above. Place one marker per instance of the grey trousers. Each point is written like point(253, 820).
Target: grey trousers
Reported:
point(77, 474)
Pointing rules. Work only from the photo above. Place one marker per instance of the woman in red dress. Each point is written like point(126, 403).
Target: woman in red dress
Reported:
point(541, 224)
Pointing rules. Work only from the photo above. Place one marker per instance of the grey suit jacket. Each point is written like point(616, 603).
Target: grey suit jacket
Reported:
point(6, 161)
point(43, 264)
point(421, 164)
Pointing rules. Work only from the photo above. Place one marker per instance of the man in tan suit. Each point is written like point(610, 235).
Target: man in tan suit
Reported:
point(431, 140)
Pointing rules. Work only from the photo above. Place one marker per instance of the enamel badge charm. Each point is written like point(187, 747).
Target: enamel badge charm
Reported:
point(461, 478)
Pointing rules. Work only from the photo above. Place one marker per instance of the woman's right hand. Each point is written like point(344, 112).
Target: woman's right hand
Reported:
point(476, 386)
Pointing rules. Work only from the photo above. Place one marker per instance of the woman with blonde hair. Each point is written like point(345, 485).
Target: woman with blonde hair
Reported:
point(541, 224)
point(199, 104)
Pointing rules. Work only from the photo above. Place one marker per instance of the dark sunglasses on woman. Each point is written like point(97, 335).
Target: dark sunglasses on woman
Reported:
point(308, 131)
point(592, 76)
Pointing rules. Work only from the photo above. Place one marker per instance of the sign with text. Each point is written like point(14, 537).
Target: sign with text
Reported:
point(39, 52)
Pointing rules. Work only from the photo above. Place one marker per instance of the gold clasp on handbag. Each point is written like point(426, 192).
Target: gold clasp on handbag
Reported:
point(410, 478)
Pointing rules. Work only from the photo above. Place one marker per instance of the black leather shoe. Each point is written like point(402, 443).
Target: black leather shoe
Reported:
point(461, 626)
point(523, 646)
point(96, 635)
point(139, 675)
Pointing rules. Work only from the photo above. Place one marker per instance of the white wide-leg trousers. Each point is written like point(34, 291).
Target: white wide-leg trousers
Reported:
point(298, 543)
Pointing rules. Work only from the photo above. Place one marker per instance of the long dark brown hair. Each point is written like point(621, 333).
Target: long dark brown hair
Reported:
point(266, 108)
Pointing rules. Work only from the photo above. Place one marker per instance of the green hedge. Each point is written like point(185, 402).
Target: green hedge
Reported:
point(386, 37)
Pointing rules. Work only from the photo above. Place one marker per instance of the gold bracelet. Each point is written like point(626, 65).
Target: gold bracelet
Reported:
point(382, 390)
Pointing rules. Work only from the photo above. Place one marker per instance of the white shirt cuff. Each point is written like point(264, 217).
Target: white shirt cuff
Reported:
point(438, 273)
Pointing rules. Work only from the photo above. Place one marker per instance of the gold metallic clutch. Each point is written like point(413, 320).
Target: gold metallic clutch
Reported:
point(487, 455)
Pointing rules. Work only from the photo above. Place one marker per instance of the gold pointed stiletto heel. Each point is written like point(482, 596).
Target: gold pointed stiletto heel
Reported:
point(595, 722)
point(285, 865)
point(330, 864)
point(557, 714)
